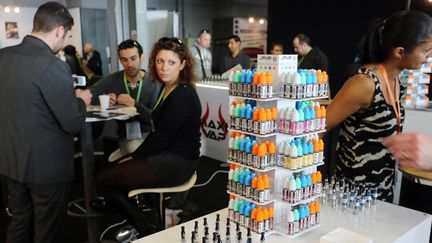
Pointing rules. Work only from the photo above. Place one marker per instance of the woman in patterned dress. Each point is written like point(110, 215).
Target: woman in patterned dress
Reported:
point(368, 105)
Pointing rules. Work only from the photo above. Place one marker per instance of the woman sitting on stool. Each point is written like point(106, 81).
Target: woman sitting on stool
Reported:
point(169, 155)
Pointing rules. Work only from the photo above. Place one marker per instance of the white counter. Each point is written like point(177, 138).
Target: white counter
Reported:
point(384, 222)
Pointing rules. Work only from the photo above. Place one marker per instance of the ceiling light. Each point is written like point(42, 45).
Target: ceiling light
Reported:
point(7, 9)
point(261, 21)
point(16, 9)
point(251, 20)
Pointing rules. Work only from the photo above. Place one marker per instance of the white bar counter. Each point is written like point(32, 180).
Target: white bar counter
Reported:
point(384, 222)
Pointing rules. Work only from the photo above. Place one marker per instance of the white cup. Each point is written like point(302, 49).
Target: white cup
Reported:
point(104, 102)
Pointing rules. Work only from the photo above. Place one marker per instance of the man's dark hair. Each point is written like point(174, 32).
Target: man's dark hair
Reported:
point(127, 44)
point(50, 16)
point(235, 37)
point(203, 31)
point(303, 39)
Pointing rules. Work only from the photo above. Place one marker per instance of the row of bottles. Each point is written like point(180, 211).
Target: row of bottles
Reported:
point(308, 117)
point(302, 217)
point(257, 218)
point(250, 83)
point(299, 153)
point(249, 184)
point(303, 84)
point(300, 187)
point(245, 150)
point(252, 119)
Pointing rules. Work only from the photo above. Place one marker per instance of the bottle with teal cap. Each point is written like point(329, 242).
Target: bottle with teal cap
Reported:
point(296, 221)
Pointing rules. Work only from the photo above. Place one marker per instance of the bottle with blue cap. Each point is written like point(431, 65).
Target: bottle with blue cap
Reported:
point(309, 84)
point(242, 213)
point(301, 218)
point(243, 117)
point(248, 182)
point(315, 86)
point(249, 79)
point(241, 183)
point(305, 188)
point(243, 85)
point(306, 124)
point(307, 217)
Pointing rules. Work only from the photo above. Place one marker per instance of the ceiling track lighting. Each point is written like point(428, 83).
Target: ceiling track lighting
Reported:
point(15, 8)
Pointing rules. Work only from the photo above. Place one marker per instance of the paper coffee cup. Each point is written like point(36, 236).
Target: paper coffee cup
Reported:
point(104, 102)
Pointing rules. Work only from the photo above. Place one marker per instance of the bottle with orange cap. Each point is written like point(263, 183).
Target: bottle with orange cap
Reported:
point(260, 220)
point(254, 160)
point(266, 187)
point(255, 84)
point(325, 83)
point(253, 187)
point(271, 152)
point(323, 117)
point(318, 184)
point(259, 192)
point(262, 86)
point(317, 212)
point(321, 151)
point(262, 121)
point(266, 219)
point(252, 221)
point(312, 220)
point(269, 85)
point(262, 156)
point(270, 122)
point(255, 120)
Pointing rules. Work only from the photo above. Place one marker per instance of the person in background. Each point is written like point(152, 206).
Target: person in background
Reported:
point(309, 58)
point(276, 48)
point(236, 56)
point(169, 155)
point(202, 55)
point(92, 59)
point(368, 105)
point(132, 88)
point(71, 57)
point(41, 113)
point(412, 149)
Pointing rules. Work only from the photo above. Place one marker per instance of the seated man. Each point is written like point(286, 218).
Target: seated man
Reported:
point(129, 87)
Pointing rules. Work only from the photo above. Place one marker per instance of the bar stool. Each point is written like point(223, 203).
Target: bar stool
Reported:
point(180, 188)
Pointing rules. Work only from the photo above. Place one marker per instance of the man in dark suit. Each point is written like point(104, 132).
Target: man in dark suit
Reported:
point(41, 112)
point(92, 59)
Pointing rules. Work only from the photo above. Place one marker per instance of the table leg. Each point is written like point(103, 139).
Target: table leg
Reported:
point(89, 181)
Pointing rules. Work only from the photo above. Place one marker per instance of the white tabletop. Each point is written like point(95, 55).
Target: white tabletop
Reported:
point(383, 222)
point(112, 113)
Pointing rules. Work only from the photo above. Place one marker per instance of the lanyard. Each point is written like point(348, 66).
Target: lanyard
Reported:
point(393, 100)
point(301, 60)
point(139, 88)
point(160, 99)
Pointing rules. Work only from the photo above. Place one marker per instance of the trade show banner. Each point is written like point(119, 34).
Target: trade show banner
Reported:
point(253, 35)
point(214, 118)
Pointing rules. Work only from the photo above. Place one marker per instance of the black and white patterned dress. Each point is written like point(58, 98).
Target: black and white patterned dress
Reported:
point(362, 158)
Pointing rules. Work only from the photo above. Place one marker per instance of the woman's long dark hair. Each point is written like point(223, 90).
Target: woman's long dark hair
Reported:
point(405, 29)
point(186, 75)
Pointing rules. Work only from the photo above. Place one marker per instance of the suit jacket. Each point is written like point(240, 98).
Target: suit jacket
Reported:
point(94, 63)
point(39, 114)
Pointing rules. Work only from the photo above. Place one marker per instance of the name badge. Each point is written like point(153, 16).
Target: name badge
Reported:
point(133, 130)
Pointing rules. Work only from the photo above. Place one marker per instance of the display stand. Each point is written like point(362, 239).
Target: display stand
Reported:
point(248, 93)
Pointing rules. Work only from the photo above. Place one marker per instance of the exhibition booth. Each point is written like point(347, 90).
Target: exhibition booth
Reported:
point(244, 127)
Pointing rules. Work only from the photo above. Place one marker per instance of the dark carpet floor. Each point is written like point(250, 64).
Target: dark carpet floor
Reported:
point(208, 198)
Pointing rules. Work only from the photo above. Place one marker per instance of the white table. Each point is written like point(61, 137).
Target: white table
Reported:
point(384, 222)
